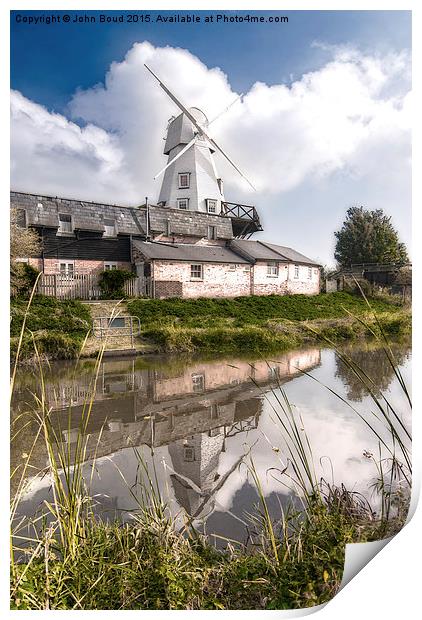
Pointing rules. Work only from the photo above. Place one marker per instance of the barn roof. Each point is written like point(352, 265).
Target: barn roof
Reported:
point(259, 250)
point(188, 252)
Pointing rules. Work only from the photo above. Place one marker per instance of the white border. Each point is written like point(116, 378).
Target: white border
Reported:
point(389, 586)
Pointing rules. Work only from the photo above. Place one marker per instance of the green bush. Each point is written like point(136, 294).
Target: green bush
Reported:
point(23, 278)
point(112, 282)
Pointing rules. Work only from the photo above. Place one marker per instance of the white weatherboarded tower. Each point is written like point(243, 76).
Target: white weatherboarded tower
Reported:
point(191, 181)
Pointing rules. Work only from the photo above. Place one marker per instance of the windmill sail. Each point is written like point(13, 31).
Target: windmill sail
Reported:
point(200, 128)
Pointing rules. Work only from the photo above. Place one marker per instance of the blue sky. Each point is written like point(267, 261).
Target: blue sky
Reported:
point(48, 63)
point(57, 66)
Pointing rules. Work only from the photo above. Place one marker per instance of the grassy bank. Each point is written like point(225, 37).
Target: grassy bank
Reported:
point(263, 324)
point(244, 324)
point(149, 565)
point(56, 328)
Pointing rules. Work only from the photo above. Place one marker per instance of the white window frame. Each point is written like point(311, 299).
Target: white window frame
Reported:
point(309, 273)
point(187, 175)
point(193, 269)
point(68, 228)
point(296, 272)
point(107, 228)
point(66, 271)
point(212, 232)
point(110, 265)
point(180, 201)
point(212, 206)
point(272, 270)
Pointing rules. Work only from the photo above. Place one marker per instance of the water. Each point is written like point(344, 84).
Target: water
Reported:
point(194, 420)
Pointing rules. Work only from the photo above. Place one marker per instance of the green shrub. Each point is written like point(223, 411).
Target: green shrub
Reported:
point(112, 283)
point(23, 278)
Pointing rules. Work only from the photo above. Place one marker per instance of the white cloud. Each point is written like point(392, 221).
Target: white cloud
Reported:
point(350, 117)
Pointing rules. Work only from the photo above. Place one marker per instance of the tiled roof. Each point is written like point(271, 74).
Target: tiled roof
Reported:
point(188, 252)
point(260, 250)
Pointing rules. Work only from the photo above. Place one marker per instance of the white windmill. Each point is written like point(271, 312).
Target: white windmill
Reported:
point(191, 181)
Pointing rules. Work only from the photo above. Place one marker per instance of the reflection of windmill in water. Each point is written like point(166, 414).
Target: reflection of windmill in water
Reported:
point(195, 461)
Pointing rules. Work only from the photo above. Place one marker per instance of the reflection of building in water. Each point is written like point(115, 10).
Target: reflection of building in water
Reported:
point(192, 410)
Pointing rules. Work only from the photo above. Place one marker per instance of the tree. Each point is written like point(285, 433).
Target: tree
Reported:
point(368, 237)
point(24, 242)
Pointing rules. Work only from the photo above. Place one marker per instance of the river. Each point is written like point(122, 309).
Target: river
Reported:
point(192, 420)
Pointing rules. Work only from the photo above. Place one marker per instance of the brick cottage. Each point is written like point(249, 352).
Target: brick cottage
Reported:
point(172, 252)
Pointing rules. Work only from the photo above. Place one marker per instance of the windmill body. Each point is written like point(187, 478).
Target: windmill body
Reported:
point(191, 181)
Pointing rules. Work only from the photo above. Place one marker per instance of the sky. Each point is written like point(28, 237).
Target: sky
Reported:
point(324, 122)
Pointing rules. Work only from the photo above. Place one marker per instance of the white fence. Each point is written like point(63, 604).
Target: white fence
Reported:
point(79, 286)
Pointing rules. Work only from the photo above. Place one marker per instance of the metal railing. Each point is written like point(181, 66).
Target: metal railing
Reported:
point(236, 210)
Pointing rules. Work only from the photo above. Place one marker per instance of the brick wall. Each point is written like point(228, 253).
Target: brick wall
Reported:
point(218, 281)
point(285, 282)
point(168, 288)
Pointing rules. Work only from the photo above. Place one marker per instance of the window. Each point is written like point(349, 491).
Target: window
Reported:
point(67, 268)
point(198, 383)
point(296, 271)
point(109, 228)
point(272, 269)
point(65, 223)
point(196, 272)
point(189, 454)
point(183, 203)
point(232, 267)
point(212, 232)
point(211, 205)
point(167, 228)
point(184, 180)
point(110, 266)
point(309, 273)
